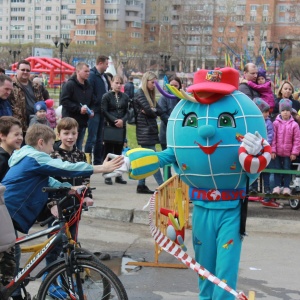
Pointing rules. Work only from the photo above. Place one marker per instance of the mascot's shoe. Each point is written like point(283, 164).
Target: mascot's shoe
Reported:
point(143, 189)
point(108, 181)
point(120, 180)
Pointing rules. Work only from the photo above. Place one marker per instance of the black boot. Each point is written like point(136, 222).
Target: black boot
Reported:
point(108, 181)
point(143, 189)
point(119, 179)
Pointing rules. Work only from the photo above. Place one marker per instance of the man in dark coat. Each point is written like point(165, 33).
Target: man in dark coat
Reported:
point(77, 100)
point(100, 85)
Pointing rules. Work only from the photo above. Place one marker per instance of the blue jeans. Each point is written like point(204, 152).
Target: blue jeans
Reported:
point(94, 143)
point(282, 163)
point(17, 292)
point(158, 177)
point(81, 134)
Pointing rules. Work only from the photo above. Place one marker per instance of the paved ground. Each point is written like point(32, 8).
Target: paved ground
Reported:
point(270, 257)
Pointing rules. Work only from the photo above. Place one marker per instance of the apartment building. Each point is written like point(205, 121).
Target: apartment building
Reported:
point(202, 31)
point(35, 21)
point(180, 35)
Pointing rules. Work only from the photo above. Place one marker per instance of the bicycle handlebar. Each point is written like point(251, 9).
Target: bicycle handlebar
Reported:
point(55, 190)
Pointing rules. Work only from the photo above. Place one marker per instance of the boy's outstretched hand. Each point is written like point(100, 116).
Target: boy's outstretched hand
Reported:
point(109, 166)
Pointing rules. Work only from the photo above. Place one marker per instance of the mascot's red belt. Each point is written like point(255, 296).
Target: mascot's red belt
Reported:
point(216, 195)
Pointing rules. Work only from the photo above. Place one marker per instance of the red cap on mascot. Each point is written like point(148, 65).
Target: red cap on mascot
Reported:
point(210, 85)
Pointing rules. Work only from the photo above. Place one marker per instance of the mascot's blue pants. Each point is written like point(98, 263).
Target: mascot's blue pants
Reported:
point(217, 245)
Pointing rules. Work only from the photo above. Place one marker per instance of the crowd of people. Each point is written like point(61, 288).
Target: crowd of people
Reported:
point(93, 103)
point(282, 123)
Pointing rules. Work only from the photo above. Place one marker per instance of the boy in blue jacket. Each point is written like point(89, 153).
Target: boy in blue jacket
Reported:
point(30, 170)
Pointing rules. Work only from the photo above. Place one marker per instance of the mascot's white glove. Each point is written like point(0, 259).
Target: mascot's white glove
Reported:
point(118, 172)
point(252, 143)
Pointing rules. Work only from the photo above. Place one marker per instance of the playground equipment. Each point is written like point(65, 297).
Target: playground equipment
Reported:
point(53, 67)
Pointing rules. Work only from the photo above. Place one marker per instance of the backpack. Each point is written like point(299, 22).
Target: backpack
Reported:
point(132, 113)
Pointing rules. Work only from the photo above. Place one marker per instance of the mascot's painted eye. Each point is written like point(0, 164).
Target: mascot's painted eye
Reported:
point(226, 120)
point(190, 120)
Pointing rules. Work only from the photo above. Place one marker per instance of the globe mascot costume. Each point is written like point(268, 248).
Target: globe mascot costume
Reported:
point(216, 143)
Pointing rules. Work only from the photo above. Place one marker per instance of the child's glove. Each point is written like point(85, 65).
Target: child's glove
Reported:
point(252, 143)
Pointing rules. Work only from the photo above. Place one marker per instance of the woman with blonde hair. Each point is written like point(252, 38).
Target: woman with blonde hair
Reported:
point(285, 91)
point(146, 126)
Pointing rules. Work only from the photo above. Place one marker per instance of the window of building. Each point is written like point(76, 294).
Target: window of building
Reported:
point(152, 28)
point(83, 1)
point(48, 8)
point(72, 11)
point(265, 7)
point(232, 29)
point(64, 17)
point(29, 36)
point(221, 29)
point(48, 36)
point(221, 19)
point(93, 11)
point(93, 1)
point(111, 11)
point(136, 24)
point(220, 39)
point(151, 38)
point(253, 7)
point(136, 35)
point(80, 21)
point(16, 9)
point(48, 27)
point(37, 36)
point(64, 7)
point(282, 8)
point(37, 8)
point(252, 18)
point(48, 18)
point(82, 11)
point(232, 40)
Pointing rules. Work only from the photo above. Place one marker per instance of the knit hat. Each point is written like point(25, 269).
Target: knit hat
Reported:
point(41, 105)
point(262, 105)
point(49, 103)
point(285, 104)
point(262, 73)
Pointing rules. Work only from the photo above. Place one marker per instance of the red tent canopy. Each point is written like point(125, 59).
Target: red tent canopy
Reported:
point(53, 67)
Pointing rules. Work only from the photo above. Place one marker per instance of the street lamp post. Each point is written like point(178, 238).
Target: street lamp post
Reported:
point(277, 49)
point(14, 53)
point(61, 44)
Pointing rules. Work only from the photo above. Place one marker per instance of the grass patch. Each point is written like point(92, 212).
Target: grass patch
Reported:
point(131, 137)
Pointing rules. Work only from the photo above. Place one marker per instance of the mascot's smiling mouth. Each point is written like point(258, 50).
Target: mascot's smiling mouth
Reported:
point(208, 149)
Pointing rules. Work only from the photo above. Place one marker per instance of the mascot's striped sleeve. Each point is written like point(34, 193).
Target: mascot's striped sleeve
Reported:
point(144, 162)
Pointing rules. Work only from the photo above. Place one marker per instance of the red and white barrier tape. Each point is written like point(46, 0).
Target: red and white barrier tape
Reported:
point(175, 250)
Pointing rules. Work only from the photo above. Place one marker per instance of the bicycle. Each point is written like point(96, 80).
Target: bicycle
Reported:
point(78, 274)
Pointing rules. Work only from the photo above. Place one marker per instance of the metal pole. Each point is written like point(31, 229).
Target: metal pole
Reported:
point(275, 57)
point(61, 48)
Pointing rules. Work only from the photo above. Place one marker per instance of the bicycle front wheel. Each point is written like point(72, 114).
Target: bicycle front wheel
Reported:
point(92, 280)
